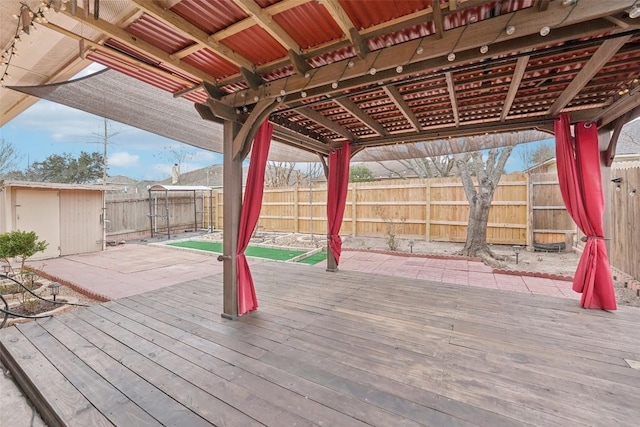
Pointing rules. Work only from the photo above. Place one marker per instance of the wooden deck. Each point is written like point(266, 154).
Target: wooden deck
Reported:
point(332, 349)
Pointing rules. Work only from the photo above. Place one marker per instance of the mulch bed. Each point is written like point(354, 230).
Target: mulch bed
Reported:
point(34, 307)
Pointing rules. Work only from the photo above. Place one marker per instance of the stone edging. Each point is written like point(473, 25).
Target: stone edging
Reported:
point(75, 287)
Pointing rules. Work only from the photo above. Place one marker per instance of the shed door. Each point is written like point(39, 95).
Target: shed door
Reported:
point(39, 211)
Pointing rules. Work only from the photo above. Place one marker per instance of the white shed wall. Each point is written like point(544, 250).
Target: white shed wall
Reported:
point(80, 224)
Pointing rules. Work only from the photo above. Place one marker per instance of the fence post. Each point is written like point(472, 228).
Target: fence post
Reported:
point(296, 209)
point(216, 210)
point(530, 214)
point(427, 213)
point(354, 220)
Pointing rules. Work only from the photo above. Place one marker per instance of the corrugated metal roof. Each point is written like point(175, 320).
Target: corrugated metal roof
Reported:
point(210, 16)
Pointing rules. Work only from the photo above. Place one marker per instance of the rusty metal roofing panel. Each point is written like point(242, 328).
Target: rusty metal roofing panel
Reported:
point(309, 25)
point(158, 34)
point(373, 12)
point(211, 63)
point(155, 79)
point(210, 16)
point(135, 54)
point(256, 45)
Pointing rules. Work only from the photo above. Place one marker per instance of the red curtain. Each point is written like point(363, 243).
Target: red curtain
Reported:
point(337, 196)
point(581, 187)
point(251, 204)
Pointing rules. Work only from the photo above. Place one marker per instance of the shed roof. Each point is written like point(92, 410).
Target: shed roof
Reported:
point(56, 186)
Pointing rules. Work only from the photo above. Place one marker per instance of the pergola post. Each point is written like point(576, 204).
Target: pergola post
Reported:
point(232, 204)
point(332, 265)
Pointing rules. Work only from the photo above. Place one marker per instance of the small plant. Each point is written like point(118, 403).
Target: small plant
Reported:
point(393, 242)
point(21, 245)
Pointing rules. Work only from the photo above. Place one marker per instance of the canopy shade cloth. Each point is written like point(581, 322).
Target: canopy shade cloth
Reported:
point(581, 187)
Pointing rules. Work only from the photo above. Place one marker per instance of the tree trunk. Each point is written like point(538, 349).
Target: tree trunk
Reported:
point(488, 174)
point(477, 225)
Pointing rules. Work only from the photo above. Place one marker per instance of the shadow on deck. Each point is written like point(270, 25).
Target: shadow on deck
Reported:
point(337, 349)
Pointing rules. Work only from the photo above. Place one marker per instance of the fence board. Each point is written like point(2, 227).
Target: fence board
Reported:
point(625, 203)
point(435, 209)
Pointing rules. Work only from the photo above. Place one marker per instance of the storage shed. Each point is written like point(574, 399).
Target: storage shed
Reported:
point(68, 216)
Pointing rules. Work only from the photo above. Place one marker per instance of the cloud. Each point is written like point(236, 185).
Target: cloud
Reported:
point(123, 159)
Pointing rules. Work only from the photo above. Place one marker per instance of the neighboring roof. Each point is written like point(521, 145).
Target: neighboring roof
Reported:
point(326, 72)
point(57, 186)
point(163, 187)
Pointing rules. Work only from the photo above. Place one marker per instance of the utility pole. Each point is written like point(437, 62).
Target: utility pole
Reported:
point(104, 154)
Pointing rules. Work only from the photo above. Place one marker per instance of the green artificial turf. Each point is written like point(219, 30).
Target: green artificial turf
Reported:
point(314, 259)
point(252, 251)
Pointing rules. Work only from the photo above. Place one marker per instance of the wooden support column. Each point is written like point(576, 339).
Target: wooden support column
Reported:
point(232, 204)
point(332, 265)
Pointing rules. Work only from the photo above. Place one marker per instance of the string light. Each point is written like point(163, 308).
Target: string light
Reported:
point(26, 18)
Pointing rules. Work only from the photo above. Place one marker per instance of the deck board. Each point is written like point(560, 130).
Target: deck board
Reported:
point(345, 348)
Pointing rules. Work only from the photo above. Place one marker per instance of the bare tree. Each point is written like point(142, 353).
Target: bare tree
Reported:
point(488, 174)
point(280, 174)
point(425, 167)
point(531, 154)
point(9, 157)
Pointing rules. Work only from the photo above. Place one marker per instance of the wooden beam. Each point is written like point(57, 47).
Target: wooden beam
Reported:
point(453, 131)
point(398, 100)
point(187, 29)
point(126, 59)
point(206, 114)
point(605, 52)
point(610, 153)
point(434, 54)
point(622, 106)
point(253, 80)
point(339, 15)
point(342, 19)
point(518, 73)
point(242, 25)
point(266, 22)
point(359, 44)
point(302, 132)
point(352, 108)
point(299, 64)
point(451, 88)
point(244, 139)
point(224, 112)
point(139, 45)
point(543, 5)
point(437, 19)
point(187, 51)
point(326, 122)
point(291, 138)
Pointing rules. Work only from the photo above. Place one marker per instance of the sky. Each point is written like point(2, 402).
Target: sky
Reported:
point(47, 128)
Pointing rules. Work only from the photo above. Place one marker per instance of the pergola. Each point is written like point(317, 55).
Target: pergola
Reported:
point(377, 79)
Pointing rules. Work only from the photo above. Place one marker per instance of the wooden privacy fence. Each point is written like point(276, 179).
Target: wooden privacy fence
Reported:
point(625, 208)
point(132, 216)
point(551, 224)
point(524, 210)
point(435, 209)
